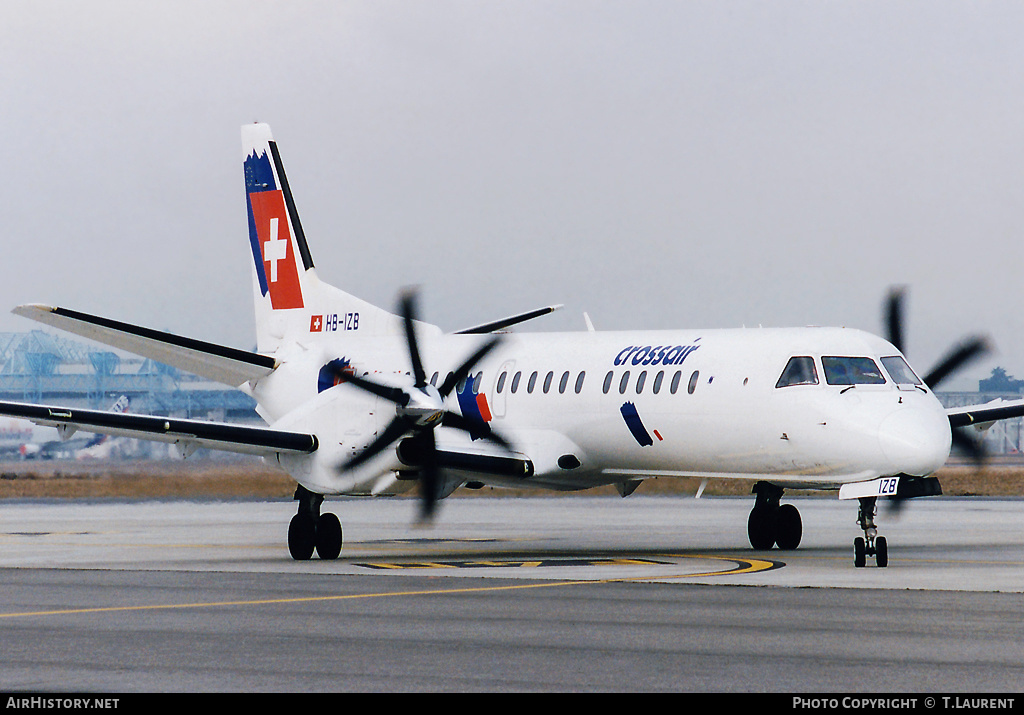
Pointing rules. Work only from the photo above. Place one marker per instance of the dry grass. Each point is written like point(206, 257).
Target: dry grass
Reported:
point(142, 480)
point(184, 480)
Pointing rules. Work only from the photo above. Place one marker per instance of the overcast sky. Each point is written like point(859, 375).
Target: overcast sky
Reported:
point(656, 164)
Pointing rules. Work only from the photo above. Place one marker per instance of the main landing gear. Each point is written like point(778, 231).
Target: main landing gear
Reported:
point(870, 544)
point(771, 523)
point(310, 530)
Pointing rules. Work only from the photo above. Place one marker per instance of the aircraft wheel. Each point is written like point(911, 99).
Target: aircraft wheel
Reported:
point(789, 527)
point(328, 536)
point(301, 537)
point(761, 528)
point(859, 552)
point(881, 552)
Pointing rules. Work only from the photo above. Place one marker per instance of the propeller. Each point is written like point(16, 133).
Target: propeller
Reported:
point(956, 358)
point(419, 410)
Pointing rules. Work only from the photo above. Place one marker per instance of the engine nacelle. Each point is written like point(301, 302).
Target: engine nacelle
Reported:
point(344, 424)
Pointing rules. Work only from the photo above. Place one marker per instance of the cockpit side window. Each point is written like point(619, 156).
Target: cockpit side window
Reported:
point(851, 371)
point(900, 371)
point(799, 371)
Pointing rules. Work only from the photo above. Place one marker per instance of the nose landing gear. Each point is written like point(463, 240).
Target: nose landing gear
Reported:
point(870, 544)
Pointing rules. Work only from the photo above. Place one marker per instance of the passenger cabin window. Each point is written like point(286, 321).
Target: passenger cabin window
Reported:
point(900, 371)
point(692, 385)
point(799, 371)
point(851, 371)
point(563, 382)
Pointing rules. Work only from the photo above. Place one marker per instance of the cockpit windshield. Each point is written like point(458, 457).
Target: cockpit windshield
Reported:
point(851, 371)
point(799, 371)
point(900, 371)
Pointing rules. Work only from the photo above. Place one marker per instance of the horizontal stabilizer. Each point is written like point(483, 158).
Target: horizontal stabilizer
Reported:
point(189, 434)
point(215, 362)
point(508, 322)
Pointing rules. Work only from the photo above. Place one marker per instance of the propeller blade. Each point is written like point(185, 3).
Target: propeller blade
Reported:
point(408, 311)
point(971, 445)
point(463, 370)
point(394, 394)
point(392, 433)
point(480, 430)
point(430, 478)
point(964, 353)
point(894, 317)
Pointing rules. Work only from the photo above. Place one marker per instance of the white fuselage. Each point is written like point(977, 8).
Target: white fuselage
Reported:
point(596, 408)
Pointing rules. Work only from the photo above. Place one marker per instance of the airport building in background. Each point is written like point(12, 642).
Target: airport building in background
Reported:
point(38, 366)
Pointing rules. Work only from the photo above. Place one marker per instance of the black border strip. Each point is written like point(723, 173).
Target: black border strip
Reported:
point(506, 322)
point(300, 236)
point(168, 426)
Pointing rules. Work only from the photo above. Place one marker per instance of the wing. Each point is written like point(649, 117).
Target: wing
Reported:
point(216, 362)
point(987, 413)
point(188, 434)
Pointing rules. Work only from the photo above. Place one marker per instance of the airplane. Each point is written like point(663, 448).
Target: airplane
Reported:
point(21, 439)
point(359, 400)
point(61, 441)
point(15, 434)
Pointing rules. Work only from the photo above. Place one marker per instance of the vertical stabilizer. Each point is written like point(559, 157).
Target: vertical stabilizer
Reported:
point(291, 303)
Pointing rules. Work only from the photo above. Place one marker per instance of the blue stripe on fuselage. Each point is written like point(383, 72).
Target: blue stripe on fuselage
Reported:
point(635, 424)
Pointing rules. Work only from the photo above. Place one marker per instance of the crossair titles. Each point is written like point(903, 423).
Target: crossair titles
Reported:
point(654, 355)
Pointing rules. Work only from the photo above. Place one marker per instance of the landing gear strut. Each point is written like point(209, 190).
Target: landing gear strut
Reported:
point(870, 544)
point(310, 530)
point(770, 523)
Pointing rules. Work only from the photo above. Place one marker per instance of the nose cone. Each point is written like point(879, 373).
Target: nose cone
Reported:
point(915, 441)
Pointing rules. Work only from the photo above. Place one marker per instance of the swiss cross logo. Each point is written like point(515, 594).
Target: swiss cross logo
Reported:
point(279, 269)
point(316, 324)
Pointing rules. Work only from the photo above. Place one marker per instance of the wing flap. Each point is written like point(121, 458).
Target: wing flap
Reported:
point(222, 364)
point(243, 439)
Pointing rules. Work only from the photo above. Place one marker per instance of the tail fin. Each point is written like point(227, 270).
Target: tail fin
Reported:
point(290, 301)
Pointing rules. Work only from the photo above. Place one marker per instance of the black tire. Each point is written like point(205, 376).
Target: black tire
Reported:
point(859, 552)
point(761, 528)
point(301, 537)
point(789, 527)
point(328, 536)
point(881, 552)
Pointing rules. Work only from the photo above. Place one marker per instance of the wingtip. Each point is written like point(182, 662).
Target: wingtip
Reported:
point(29, 310)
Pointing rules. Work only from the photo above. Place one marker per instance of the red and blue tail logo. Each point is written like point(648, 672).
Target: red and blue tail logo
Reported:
point(270, 236)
